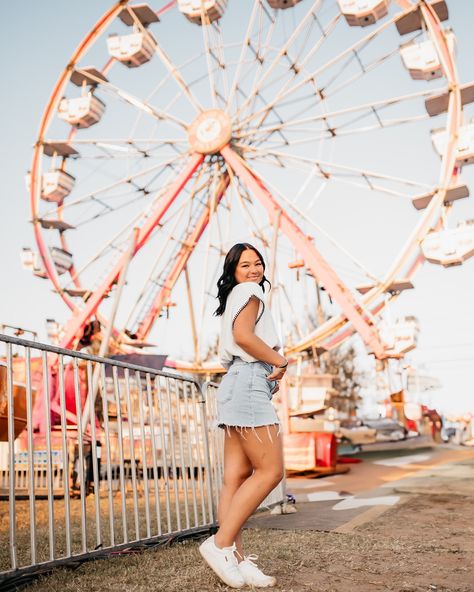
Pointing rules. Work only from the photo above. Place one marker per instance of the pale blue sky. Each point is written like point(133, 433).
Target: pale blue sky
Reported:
point(35, 51)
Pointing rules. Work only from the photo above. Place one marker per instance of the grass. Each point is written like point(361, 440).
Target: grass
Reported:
point(91, 541)
point(424, 542)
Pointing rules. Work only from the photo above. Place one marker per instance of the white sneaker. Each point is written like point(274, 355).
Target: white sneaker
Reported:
point(254, 576)
point(223, 562)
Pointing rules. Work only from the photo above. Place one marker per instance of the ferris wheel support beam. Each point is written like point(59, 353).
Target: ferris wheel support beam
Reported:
point(318, 265)
point(81, 317)
point(181, 260)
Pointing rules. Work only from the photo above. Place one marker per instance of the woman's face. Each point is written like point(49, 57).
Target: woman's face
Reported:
point(249, 268)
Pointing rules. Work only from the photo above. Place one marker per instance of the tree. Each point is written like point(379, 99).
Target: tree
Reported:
point(348, 379)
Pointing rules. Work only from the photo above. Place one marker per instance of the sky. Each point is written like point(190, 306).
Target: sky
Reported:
point(39, 48)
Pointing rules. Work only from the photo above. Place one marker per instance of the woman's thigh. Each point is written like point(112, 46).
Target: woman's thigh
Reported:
point(263, 447)
point(237, 465)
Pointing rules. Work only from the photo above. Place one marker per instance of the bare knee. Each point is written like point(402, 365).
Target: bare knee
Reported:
point(272, 476)
point(234, 479)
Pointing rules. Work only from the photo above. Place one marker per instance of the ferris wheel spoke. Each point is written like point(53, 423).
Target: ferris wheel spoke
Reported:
point(109, 246)
point(116, 245)
point(238, 190)
point(128, 180)
point(304, 216)
point(364, 41)
point(112, 244)
point(210, 55)
point(325, 170)
point(299, 68)
point(138, 103)
point(167, 62)
point(260, 52)
point(320, 268)
point(281, 53)
point(153, 281)
point(179, 260)
point(323, 117)
point(217, 189)
point(145, 231)
point(364, 69)
point(257, 8)
point(332, 133)
point(221, 65)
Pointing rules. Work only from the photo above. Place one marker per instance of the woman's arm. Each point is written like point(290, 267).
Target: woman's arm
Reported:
point(244, 335)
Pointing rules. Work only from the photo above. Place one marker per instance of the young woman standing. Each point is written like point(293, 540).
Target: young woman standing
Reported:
point(253, 456)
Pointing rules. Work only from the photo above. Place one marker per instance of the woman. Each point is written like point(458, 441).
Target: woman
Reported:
point(253, 458)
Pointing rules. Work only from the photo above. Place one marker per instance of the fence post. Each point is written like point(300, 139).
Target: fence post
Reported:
point(209, 484)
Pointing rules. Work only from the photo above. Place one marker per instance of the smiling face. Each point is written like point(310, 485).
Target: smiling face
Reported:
point(249, 268)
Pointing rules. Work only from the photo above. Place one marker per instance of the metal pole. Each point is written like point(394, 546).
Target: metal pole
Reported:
point(276, 226)
point(153, 426)
point(197, 357)
point(31, 461)
point(11, 458)
point(104, 346)
point(67, 501)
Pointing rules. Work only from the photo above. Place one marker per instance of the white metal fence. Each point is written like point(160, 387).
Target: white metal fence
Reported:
point(146, 465)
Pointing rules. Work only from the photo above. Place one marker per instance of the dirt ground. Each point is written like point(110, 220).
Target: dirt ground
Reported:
point(425, 543)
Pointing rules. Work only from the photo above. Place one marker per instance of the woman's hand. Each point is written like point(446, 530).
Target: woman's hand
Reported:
point(277, 373)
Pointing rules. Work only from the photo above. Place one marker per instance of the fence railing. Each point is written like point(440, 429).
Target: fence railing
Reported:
point(146, 465)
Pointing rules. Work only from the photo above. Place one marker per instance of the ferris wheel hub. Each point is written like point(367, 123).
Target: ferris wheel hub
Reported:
point(210, 131)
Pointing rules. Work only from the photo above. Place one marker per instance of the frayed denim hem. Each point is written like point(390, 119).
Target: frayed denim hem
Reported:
point(242, 429)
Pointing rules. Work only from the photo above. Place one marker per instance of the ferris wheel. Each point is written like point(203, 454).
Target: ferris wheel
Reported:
point(304, 127)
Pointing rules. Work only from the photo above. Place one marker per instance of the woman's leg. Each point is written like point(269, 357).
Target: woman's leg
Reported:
point(237, 468)
point(263, 447)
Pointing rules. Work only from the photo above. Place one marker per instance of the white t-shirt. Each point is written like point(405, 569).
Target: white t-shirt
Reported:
point(264, 326)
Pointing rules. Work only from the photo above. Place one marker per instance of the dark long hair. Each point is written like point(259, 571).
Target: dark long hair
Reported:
point(227, 280)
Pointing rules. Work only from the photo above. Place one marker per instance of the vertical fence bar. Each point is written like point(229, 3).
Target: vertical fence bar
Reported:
point(105, 409)
point(11, 460)
point(151, 412)
point(49, 468)
point(199, 437)
point(184, 472)
point(144, 459)
point(67, 501)
point(173, 455)
point(80, 452)
point(133, 466)
point(165, 453)
point(190, 451)
point(214, 439)
point(120, 446)
point(94, 457)
point(31, 456)
point(207, 454)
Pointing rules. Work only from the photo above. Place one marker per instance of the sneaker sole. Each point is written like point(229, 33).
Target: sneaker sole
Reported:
point(263, 585)
point(269, 585)
point(218, 573)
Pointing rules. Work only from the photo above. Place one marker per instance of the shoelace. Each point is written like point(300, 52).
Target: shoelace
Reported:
point(251, 559)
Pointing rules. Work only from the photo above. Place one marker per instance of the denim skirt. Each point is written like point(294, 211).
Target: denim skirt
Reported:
point(244, 396)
